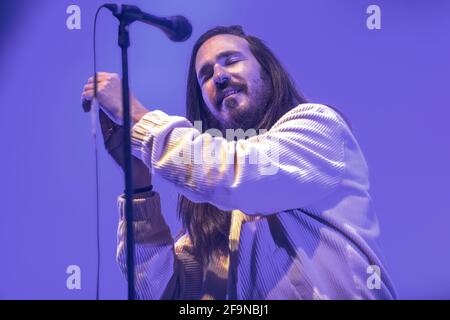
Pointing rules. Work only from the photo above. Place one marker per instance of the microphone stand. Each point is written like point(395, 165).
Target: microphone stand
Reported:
point(124, 43)
point(127, 15)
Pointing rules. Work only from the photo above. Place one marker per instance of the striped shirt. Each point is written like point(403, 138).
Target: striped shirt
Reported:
point(303, 224)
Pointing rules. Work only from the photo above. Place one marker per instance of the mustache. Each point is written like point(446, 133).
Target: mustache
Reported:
point(240, 87)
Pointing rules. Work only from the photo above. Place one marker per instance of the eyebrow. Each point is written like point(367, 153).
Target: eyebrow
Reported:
point(221, 55)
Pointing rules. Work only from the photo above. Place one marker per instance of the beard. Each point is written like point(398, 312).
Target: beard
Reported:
point(248, 116)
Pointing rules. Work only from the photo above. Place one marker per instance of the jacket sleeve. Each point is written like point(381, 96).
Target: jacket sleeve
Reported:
point(297, 162)
point(159, 272)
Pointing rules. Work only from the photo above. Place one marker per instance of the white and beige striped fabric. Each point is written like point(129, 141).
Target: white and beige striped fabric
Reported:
point(306, 230)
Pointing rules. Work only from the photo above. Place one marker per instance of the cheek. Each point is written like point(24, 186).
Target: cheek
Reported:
point(207, 93)
point(252, 77)
point(209, 97)
point(254, 85)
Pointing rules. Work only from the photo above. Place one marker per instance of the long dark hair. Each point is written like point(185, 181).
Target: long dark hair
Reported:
point(207, 226)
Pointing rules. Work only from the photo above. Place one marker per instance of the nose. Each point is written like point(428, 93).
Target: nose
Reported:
point(221, 77)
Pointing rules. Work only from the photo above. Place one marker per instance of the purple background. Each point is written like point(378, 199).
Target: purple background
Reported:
point(392, 83)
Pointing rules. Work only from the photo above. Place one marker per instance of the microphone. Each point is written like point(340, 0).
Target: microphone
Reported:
point(177, 28)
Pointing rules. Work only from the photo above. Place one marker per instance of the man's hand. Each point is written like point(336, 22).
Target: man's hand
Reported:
point(109, 95)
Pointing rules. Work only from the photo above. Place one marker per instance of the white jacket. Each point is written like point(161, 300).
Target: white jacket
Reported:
point(303, 222)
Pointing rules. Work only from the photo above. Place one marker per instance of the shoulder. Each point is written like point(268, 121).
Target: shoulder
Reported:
point(315, 116)
point(315, 109)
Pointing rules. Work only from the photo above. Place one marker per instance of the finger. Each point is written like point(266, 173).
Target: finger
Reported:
point(90, 87)
point(99, 79)
point(87, 95)
point(102, 76)
point(88, 91)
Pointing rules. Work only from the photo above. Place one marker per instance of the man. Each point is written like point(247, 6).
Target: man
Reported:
point(306, 230)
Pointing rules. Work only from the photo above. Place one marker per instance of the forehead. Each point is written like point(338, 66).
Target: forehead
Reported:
point(217, 44)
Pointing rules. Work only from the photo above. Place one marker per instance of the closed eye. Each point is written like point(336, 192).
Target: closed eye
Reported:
point(206, 73)
point(231, 61)
point(206, 77)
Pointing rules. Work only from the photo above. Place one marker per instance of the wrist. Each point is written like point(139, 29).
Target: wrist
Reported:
point(139, 111)
point(141, 181)
point(141, 174)
point(138, 116)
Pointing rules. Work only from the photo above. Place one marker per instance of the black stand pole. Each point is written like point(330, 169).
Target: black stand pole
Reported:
point(124, 43)
point(178, 29)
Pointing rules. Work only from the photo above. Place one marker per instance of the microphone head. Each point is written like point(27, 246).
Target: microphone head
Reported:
point(181, 29)
point(114, 8)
